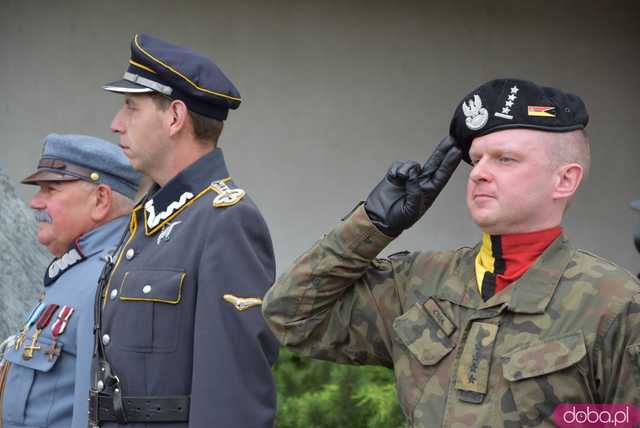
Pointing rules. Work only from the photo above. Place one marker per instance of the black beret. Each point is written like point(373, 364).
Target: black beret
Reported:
point(514, 103)
point(178, 73)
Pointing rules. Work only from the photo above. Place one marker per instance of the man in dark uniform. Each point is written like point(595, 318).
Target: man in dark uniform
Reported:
point(86, 190)
point(181, 340)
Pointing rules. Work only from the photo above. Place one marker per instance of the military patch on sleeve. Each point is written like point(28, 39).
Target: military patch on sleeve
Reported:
point(226, 196)
point(242, 303)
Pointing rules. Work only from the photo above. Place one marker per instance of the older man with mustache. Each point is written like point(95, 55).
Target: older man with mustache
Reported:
point(86, 191)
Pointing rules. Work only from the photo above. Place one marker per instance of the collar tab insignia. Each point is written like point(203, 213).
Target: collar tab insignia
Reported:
point(154, 219)
point(61, 264)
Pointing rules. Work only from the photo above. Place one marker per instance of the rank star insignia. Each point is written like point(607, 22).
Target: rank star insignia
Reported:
point(508, 104)
point(226, 196)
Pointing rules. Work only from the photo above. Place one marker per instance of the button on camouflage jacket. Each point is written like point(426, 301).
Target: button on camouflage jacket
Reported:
point(568, 331)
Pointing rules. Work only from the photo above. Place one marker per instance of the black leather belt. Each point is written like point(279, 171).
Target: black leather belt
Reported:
point(139, 409)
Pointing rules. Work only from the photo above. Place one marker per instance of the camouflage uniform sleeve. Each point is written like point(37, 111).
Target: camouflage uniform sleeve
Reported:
point(336, 302)
point(618, 357)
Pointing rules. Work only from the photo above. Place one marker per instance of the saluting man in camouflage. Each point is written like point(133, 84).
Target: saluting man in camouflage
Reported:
point(491, 336)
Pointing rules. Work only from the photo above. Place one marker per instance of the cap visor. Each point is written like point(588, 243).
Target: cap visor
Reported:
point(636, 205)
point(123, 86)
point(40, 176)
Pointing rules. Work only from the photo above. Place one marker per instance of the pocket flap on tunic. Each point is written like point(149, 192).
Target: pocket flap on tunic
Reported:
point(158, 285)
point(423, 335)
point(544, 357)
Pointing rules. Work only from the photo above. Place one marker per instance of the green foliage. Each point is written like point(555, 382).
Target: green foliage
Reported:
point(320, 394)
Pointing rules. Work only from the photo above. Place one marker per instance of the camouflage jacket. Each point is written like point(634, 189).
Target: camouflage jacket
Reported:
point(568, 331)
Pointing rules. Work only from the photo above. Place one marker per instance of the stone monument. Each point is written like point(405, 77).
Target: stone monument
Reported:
point(22, 260)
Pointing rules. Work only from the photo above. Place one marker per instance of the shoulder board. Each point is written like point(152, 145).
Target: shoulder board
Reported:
point(226, 196)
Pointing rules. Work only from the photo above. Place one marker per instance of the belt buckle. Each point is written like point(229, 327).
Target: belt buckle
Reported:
point(94, 404)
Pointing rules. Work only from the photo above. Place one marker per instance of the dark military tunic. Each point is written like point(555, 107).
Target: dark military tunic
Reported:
point(567, 331)
point(174, 320)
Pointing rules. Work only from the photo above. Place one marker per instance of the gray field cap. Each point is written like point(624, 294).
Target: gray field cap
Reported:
point(80, 157)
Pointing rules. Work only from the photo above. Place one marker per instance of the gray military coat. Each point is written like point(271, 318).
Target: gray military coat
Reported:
point(52, 390)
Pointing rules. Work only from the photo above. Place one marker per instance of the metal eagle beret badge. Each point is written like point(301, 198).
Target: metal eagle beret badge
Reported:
point(178, 73)
point(514, 103)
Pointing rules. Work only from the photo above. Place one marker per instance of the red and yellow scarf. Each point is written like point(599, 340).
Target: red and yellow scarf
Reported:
point(502, 259)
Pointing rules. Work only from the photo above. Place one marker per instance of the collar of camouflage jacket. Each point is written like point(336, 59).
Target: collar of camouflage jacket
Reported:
point(164, 203)
point(530, 294)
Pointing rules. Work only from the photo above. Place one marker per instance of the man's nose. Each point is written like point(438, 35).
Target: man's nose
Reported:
point(117, 124)
point(37, 202)
point(480, 171)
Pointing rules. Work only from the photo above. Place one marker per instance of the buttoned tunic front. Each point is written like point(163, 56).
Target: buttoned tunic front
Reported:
point(181, 314)
point(52, 391)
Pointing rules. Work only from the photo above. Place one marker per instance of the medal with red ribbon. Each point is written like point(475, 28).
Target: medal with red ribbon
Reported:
point(41, 324)
point(57, 329)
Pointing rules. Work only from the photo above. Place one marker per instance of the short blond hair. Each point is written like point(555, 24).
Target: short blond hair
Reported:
point(570, 147)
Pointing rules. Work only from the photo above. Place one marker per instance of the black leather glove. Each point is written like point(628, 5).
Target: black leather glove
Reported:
point(408, 190)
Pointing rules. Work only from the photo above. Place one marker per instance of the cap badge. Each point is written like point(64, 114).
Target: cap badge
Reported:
point(508, 104)
point(94, 176)
point(226, 196)
point(541, 111)
point(477, 116)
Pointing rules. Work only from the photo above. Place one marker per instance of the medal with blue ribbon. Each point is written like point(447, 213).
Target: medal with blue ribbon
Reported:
point(33, 316)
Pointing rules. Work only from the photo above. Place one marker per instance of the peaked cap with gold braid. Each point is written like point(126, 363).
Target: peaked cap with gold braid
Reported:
point(179, 73)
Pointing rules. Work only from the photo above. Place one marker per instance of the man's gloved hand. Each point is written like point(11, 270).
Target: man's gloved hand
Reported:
point(408, 190)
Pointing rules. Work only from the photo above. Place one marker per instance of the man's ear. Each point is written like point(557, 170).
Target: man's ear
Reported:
point(568, 179)
point(177, 116)
point(101, 202)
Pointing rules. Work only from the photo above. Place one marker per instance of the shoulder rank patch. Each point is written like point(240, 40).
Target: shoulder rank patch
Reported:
point(242, 303)
point(226, 196)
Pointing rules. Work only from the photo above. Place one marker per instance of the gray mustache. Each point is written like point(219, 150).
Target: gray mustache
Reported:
point(42, 216)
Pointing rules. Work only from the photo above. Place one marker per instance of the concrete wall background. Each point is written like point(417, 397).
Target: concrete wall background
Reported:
point(334, 91)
